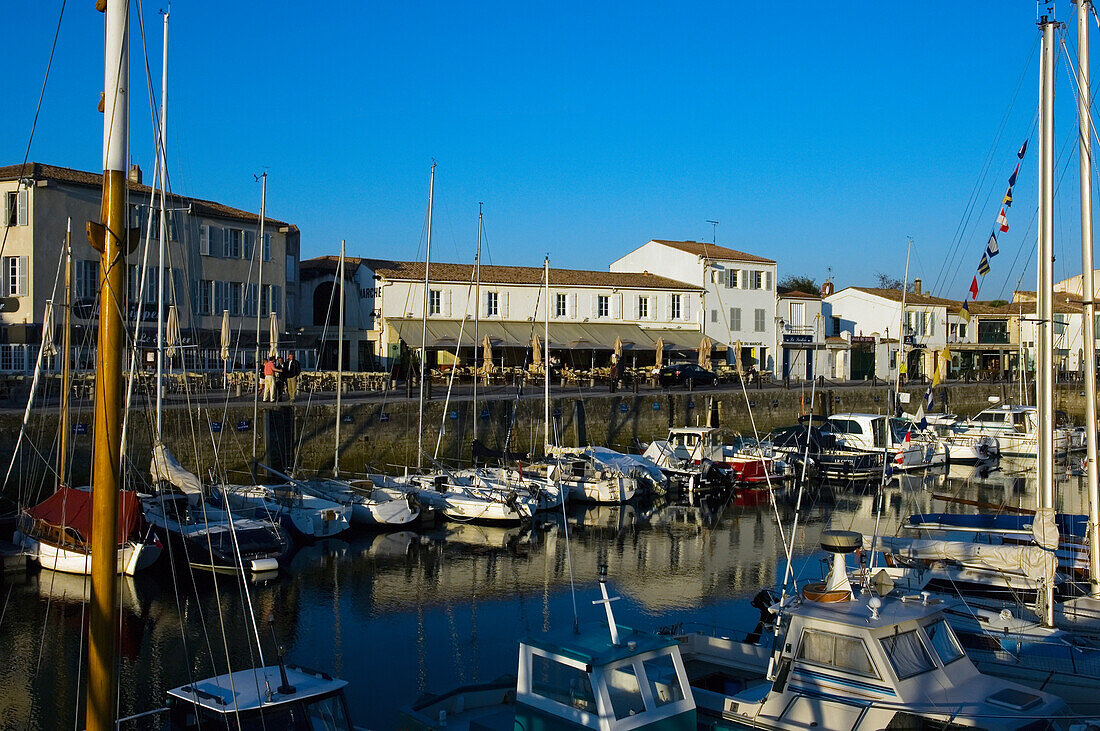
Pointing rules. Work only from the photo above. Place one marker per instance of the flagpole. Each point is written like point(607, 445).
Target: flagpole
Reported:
point(1088, 288)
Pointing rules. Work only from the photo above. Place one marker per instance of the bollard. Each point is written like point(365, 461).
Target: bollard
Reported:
point(238, 389)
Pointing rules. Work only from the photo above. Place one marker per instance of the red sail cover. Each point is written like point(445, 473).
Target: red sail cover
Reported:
point(72, 508)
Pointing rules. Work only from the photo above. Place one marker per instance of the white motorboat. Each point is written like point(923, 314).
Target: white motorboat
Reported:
point(1015, 429)
point(589, 477)
point(459, 498)
point(906, 445)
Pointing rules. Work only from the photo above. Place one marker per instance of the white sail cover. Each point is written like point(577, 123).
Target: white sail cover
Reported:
point(626, 464)
point(1044, 529)
point(1033, 562)
point(164, 467)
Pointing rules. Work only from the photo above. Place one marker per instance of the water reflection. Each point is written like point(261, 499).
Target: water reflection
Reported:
point(399, 613)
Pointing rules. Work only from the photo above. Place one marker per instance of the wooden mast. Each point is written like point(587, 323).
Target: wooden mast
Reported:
point(109, 236)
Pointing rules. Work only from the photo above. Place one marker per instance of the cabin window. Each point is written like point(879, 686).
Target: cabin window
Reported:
point(624, 691)
point(844, 426)
point(844, 653)
point(563, 684)
point(943, 641)
point(664, 684)
point(907, 654)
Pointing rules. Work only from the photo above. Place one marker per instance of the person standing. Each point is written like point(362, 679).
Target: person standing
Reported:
point(280, 378)
point(291, 371)
point(269, 379)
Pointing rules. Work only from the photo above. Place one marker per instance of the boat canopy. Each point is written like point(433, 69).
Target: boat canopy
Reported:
point(626, 464)
point(70, 509)
point(1060, 523)
point(164, 467)
point(1033, 562)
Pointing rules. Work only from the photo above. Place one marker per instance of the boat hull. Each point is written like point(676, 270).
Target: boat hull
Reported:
point(133, 556)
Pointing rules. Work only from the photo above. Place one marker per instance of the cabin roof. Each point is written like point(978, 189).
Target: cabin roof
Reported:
point(857, 614)
point(217, 693)
point(592, 645)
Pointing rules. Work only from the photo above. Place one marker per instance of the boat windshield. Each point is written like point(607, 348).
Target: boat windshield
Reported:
point(907, 654)
point(943, 641)
point(328, 713)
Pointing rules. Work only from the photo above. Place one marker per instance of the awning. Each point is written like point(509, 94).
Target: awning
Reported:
point(563, 335)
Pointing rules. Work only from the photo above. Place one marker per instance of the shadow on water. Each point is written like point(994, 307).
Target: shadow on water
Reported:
point(400, 613)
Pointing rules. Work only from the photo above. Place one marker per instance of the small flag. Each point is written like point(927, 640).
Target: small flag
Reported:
point(929, 399)
point(1002, 220)
point(1023, 149)
point(1007, 200)
point(905, 446)
point(983, 265)
point(946, 354)
point(1012, 178)
point(964, 312)
point(973, 291)
point(991, 249)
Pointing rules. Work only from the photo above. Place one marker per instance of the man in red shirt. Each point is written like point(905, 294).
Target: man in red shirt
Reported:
point(269, 379)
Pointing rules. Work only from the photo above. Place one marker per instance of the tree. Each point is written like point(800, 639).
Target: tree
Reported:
point(800, 283)
point(885, 281)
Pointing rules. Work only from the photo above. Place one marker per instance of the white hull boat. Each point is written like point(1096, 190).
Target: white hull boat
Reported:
point(304, 515)
point(132, 557)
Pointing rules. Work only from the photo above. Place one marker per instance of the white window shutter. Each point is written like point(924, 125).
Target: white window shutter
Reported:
point(670, 313)
point(595, 305)
point(616, 306)
point(204, 239)
point(504, 304)
point(21, 274)
point(21, 216)
point(768, 280)
point(447, 302)
point(572, 311)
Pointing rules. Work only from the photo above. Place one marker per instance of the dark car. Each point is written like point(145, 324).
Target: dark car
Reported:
point(688, 374)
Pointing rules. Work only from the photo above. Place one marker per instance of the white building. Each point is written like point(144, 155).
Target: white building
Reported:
point(214, 254)
point(738, 292)
point(588, 311)
point(800, 339)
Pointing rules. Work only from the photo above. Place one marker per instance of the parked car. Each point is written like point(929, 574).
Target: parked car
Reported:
point(688, 374)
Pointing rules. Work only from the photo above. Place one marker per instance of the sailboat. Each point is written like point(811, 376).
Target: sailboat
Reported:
point(205, 702)
point(55, 532)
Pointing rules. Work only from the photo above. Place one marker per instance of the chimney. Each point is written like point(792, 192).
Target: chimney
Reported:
point(826, 289)
point(135, 174)
point(916, 286)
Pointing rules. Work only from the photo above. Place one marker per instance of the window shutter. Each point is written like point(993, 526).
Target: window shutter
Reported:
point(21, 216)
point(21, 272)
point(670, 310)
point(447, 302)
point(616, 306)
point(767, 280)
point(504, 304)
point(204, 239)
point(572, 311)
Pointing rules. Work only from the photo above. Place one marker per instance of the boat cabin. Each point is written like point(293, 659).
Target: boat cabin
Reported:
point(859, 431)
point(261, 699)
point(696, 443)
point(1006, 417)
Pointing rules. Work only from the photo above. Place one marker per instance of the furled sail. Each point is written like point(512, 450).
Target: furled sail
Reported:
point(164, 467)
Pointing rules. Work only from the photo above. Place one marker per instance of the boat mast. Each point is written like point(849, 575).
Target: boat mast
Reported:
point(1088, 290)
point(1044, 290)
point(477, 313)
point(162, 151)
point(109, 236)
point(424, 327)
point(258, 250)
point(546, 358)
point(339, 363)
point(901, 329)
point(66, 344)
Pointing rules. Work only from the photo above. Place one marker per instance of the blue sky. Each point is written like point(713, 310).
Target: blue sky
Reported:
point(822, 137)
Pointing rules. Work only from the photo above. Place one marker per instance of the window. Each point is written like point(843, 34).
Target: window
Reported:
point(267, 248)
point(624, 691)
point(234, 297)
point(943, 641)
point(663, 681)
point(714, 315)
point(15, 273)
point(797, 314)
point(559, 305)
point(735, 319)
point(435, 300)
point(15, 209)
point(603, 305)
point(1060, 322)
point(758, 325)
point(993, 331)
point(562, 683)
point(962, 329)
point(492, 304)
point(86, 277)
point(251, 295)
point(231, 243)
point(274, 299)
point(893, 359)
point(204, 239)
point(201, 296)
point(643, 308)
point(756, 279)
point(674, 307)
point(291, 266)
point(221, 297)
point(907, 654)
point(733, 279)
point(249, 244)
point(838, 651)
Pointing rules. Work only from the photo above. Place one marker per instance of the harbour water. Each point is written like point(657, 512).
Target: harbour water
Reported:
point(399, 614)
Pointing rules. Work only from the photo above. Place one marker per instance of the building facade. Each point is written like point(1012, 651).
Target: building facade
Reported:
point(216, 262)
point(737, 307)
